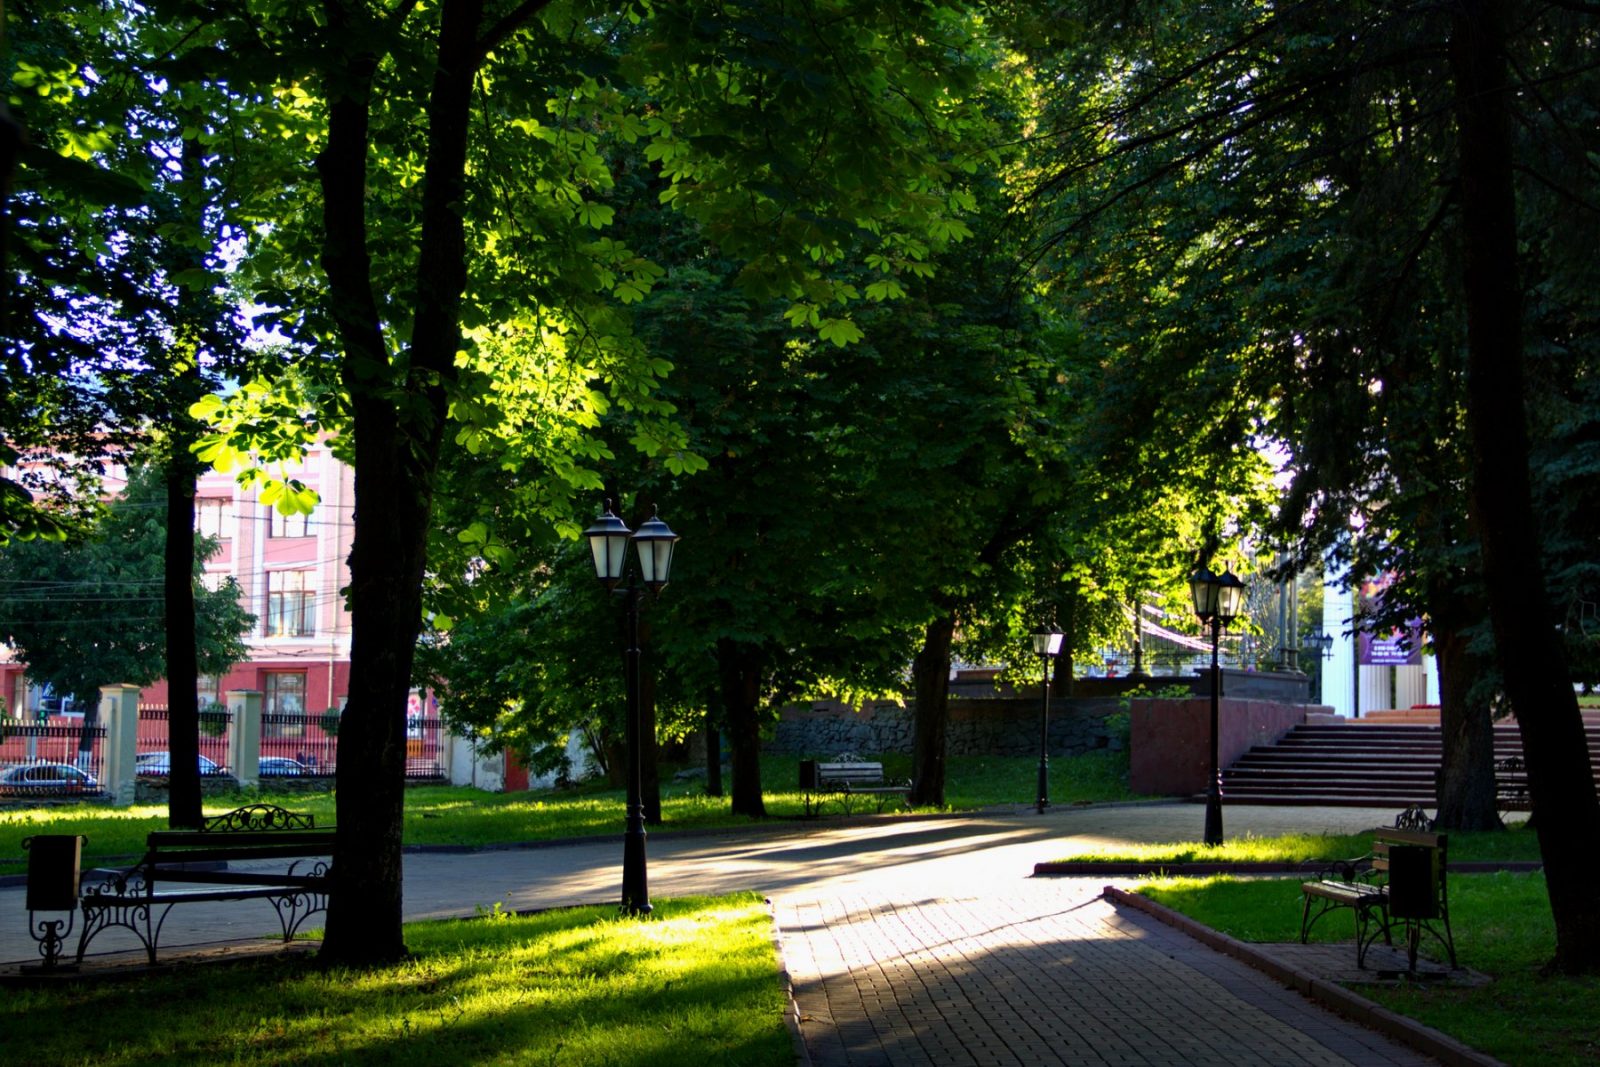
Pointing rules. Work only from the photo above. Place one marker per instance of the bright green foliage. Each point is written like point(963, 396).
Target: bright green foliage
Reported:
point(121, 220)
point(88, 613)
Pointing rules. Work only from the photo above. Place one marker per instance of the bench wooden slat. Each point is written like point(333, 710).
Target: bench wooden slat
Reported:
point(174, 857)
point(248, 878)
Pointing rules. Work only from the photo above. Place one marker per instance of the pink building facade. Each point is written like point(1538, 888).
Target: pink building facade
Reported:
point(289, 570)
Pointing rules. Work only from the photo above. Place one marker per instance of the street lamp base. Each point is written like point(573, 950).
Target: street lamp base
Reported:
point(635, 870)
point(1213, 820)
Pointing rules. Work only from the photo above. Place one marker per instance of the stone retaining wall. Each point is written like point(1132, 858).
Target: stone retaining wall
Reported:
point(977, 727)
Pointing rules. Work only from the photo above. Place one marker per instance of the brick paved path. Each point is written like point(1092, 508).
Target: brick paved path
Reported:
point(1046, 975)
point(925, 942)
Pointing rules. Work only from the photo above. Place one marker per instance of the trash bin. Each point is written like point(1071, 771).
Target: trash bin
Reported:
point(53, 868)
point(808, 775)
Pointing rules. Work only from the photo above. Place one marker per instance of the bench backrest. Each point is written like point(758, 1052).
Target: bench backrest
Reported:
point(850, 772)
point(244, 842)
point(1415, 863)
point(254, 831)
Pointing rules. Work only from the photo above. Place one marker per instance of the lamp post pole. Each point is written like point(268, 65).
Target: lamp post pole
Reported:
point(1044, 739)
point(1047, 645)
point(1214, 781)
point(1218, 599)
point(635, 866)
point(609, 538)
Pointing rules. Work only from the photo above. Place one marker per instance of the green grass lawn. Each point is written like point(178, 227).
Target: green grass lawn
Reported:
point(1518, 843)
point(460, 816)
point(695, 985)
point(1502, 927)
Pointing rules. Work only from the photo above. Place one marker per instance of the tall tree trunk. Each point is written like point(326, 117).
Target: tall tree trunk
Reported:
point(739, 667)
point(396, 457)
point(1532, 657)
point(1466, 777)
point(183, 702)
point(713, 744)
point(930, 682)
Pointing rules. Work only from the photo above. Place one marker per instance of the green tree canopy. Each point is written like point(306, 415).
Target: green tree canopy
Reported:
point(87, 613)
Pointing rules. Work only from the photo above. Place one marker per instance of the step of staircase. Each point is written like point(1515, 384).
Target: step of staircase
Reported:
point(1361, 763)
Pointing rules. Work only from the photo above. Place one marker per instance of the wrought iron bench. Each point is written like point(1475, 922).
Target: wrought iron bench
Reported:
point(133, 900)
point(848, 780)
point(1511, 782)
point(1401, 883)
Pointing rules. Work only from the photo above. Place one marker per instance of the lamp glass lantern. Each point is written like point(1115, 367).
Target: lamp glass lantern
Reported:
point(1230, 596)
point(655, 540)
point(608, 542)
point(1203, 588)
point(1216, 596)
point(1048, 644)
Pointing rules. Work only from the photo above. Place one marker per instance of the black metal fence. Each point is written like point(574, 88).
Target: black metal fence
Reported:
point(297, 745)
point(301, 745)
point(55, 760)
point(153, 746)
point(66, 759)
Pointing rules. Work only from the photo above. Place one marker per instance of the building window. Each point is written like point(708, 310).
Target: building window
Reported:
point(281, 525)
point(284, 695)
point(291, 604)
point(207, 690)
point(213, 517)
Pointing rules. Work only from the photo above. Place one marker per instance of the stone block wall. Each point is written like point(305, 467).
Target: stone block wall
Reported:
point(978, 727)
point(1170, 750)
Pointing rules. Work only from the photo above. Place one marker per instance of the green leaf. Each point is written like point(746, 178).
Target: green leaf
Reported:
point(840, 331)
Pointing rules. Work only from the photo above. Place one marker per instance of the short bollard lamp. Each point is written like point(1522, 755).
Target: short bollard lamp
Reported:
point(1218, 599)
point(1047, 645)
point(653, 543)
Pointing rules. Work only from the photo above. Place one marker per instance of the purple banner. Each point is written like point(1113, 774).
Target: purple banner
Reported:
point(1394, 647)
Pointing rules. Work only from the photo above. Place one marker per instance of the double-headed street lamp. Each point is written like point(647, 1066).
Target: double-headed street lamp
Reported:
point(1217, 600)
point(654, 541)
point(1320, 645)
point(1048, 646)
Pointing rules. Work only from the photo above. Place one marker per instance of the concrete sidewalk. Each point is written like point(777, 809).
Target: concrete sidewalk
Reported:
point(924, 941)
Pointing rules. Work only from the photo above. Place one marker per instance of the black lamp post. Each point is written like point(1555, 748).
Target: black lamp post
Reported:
point(1217, 600)
point(654, 541)
point(1320, 645)
point(1048, 646)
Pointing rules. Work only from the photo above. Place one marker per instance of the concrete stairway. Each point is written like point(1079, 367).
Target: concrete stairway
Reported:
point(1360, 763)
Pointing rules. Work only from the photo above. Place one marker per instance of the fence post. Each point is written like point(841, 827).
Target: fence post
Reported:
point(119, 714)
point(244, 735)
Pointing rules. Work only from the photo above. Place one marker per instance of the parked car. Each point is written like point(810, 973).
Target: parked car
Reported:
point(280, 767)
point(47, 779)
point(161, 763)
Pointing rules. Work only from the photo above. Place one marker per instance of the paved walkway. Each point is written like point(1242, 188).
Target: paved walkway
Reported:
point(927, 941)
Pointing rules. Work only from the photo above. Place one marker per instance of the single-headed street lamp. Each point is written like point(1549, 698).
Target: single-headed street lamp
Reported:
point(1217, 600)
point(654, 541)
point(1048, 646)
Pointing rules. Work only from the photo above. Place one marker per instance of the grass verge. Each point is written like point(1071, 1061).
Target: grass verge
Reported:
point(464, 817)
point(1515, 844)
point(695, 985)
point(1502, 927)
